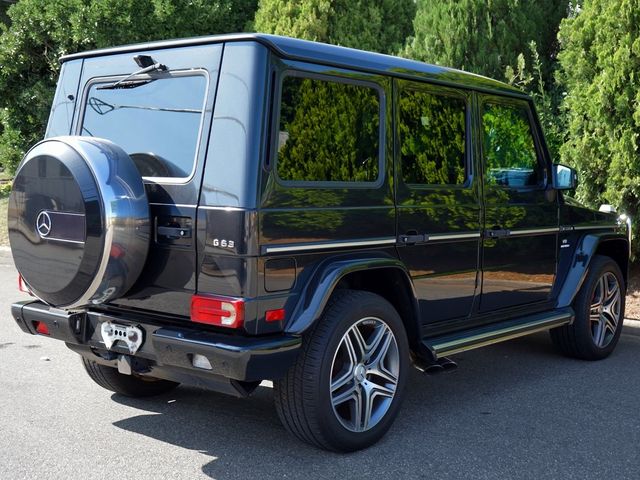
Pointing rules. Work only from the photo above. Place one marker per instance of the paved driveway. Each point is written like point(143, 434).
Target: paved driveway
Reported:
point(515, 410)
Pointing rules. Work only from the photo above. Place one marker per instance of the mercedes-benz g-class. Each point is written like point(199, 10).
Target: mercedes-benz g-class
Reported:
point(224, 210)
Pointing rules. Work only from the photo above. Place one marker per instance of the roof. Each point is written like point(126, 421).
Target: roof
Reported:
point(304, 50)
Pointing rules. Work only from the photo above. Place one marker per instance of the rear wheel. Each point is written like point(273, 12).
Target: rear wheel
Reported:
point(128, 385)
point(347, 386)
point(599, 308)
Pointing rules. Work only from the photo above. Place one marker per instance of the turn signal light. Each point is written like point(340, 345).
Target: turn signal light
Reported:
point(219, 311)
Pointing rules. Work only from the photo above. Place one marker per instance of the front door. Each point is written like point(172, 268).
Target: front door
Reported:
point(521, 210)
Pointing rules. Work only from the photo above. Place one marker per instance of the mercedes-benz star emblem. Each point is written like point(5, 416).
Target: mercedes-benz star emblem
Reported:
point(43, 224)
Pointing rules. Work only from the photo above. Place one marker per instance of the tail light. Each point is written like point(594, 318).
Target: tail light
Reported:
point(218, 311)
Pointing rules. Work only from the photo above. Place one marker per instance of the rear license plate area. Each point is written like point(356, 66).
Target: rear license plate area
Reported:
point(127, 336)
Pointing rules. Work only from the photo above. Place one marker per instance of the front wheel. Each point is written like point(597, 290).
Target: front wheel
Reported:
point(599, 308)
point(347, 385)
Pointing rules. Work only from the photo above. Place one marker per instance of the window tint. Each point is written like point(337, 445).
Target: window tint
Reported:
point(509, 152)
point(156, 123)
point(432, 138)
point(329, 131)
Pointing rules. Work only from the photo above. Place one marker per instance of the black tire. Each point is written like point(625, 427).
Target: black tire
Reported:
point(127, 385)
point(582, 338)
point(304, 397)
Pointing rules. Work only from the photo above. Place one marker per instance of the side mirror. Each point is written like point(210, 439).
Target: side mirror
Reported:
point(564, 178)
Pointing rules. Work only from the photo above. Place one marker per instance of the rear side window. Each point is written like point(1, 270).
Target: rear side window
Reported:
point(510, 155)
point(157, 123)
point(432, 130)
point(329, 131)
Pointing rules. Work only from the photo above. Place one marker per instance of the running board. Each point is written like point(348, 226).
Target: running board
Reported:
point(498, 332)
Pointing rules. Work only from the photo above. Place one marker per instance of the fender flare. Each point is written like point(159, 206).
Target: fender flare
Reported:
point(579, 267)
point(323, 282)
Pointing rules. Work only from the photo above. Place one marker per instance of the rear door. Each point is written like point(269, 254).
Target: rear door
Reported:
point(521, 210)
point(162, 121)
point(438, 198)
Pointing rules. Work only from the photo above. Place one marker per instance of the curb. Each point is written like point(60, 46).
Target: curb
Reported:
point(632, 322)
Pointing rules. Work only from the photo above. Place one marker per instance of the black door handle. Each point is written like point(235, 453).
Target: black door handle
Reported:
point(498, 233)
point(174, 232)
point(412, 238)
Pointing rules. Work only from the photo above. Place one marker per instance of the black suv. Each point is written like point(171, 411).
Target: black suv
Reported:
point(224, 210)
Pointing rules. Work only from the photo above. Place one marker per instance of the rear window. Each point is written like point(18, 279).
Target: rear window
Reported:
point(156, 123)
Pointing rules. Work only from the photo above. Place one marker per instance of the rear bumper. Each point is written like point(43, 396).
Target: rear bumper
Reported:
point(167, 351)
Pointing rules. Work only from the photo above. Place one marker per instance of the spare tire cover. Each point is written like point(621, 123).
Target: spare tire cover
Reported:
point(78, 221)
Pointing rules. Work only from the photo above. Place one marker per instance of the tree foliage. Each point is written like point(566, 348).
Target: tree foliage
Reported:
point(432, 132)
point(512, 40)
point(377, 25)
point(40, 31)
point(483, 36)
point(600, 66)
point(4, 6)
point(330, 131)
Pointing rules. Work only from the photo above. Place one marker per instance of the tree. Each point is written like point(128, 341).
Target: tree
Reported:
point(376, 25)
point(483, 36)
point(4, 6)
point(512, 40)
point(600, 66)
point(41, 31)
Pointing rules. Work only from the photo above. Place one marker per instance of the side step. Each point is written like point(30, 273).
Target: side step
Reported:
point(497, 332)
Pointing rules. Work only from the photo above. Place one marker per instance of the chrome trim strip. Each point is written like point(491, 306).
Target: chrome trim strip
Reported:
point(172, 205)
point(596, 227)
point(64, 213)
point(228, 209)
point(453, 236)
point(63, 240)
point(533, 231)
point(327, 245)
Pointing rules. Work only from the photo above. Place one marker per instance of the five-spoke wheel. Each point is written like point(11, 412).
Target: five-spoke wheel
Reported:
point(605, 309)
point(364, 374)
point(599, 309)
point(347, 385)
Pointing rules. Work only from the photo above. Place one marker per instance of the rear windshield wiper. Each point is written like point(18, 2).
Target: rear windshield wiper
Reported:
point(141, 60)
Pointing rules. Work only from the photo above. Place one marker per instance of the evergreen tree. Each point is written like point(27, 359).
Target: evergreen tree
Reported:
point(40, 31)
point(600, 66)
point(376, 25)
point(485, 37)
point(512, 40)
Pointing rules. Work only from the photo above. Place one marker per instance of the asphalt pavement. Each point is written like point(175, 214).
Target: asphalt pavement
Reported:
point(510, 411)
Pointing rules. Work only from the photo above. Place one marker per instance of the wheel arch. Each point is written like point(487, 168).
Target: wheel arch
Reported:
point(386, 277)
point(611, 245)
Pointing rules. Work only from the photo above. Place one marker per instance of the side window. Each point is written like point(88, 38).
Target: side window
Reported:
point(432, 130)
point(510, 155)
point(329, 131)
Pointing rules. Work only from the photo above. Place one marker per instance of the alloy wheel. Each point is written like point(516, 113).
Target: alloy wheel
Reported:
point(364, 374)
point(604, 314)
